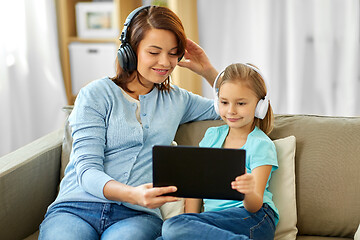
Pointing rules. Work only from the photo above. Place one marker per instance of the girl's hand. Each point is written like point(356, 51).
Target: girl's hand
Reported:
point(244, 184)
point(147, 196)
point(197, 61)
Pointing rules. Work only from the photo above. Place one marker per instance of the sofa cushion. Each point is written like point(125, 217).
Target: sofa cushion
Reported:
point(282, 186)
point(327, 172)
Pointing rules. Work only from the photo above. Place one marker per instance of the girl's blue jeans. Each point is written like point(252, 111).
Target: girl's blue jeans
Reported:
point(232, 223)
point(88, 220)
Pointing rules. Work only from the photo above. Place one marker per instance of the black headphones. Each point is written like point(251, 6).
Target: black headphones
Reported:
point(126, 55)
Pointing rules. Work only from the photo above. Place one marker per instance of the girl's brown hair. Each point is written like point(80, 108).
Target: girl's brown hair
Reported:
point(154, 17)
point(241, 72)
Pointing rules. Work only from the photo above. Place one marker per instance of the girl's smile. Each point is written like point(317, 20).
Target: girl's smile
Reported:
point(233, 119)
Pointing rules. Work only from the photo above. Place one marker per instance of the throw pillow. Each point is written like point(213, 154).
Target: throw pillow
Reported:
point(67, 142)
point(282, 186)
point(172, 209)
point(357, 234)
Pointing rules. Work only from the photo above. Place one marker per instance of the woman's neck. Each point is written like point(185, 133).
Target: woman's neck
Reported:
point(138, 89)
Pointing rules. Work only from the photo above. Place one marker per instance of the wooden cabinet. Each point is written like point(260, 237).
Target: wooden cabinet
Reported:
point(185, 9)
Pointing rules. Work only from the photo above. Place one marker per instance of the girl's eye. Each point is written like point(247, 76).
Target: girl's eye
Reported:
point(153, 53)
point(241, 103)
point(223, 102)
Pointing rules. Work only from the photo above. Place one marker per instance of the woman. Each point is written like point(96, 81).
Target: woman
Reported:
point(106, 191)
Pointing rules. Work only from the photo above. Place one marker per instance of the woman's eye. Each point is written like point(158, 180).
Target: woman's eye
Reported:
point(153, 53)
point(223, 102)
point(241, 103)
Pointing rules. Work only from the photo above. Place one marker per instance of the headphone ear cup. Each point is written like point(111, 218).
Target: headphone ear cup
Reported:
point(261, 108)
point(127, 57)
point(122, 58)
point(216, 104)
point(216, 93)
point(132, 64)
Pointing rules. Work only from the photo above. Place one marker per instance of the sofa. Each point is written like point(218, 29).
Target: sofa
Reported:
point(317, 187)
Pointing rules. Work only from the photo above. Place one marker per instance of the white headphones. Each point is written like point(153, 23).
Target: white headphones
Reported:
point(261, 107)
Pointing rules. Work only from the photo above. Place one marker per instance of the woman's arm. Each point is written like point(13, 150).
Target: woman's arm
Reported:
point(193, 205)
point(144, 195)
point(253, 186)
point(197, 61)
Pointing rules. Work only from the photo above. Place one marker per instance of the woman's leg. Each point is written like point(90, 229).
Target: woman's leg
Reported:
point(233, 223)
point(140, 227)
point(63, 222)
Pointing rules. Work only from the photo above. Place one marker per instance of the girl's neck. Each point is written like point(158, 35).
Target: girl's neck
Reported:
point(237, 137)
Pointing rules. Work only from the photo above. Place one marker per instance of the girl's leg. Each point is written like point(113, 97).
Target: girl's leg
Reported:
point(233, 223)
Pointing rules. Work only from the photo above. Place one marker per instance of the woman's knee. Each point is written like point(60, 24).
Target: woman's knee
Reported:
point(66, 226)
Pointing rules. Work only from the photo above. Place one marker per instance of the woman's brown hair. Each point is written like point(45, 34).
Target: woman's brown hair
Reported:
point(154, 17)
point(241, 72)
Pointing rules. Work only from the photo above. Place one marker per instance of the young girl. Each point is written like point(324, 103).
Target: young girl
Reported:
point(106, 191)
point(244, 106)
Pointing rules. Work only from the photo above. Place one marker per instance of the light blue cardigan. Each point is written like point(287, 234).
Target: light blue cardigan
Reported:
point(109, 143)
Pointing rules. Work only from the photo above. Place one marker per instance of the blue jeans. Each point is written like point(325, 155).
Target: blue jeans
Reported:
point(232, 223)
point(88, 220)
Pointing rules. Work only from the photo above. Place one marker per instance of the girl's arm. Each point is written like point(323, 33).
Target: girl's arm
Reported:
point(253, 186)
point(197, 61)
point(193, 205)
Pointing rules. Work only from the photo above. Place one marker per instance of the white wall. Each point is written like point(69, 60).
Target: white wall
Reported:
point(309, 50)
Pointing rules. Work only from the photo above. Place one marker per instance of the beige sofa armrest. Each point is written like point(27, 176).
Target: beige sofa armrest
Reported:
point(29, 178)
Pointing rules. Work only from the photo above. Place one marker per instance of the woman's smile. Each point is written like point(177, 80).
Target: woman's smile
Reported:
point(163, 72)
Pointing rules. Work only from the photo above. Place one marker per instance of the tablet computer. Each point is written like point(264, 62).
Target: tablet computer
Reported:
point(198, 172)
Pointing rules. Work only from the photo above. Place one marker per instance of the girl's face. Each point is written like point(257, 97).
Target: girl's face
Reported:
point(157, 56)
point(237, 103)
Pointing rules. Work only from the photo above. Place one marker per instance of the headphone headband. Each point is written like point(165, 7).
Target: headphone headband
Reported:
point(134, 13)
point(248, 65)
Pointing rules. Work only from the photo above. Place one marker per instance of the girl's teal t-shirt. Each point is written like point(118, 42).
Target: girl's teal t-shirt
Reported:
point(260, 150)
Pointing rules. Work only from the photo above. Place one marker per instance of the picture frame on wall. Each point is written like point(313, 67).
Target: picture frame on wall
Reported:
point(96, 20)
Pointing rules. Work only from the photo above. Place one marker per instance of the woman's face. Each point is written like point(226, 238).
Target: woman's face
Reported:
point(157, 56)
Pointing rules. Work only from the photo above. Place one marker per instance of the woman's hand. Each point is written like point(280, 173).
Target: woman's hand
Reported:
point(144, 195)
point(244, 183)
point(197, 61)
point(147, 196)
